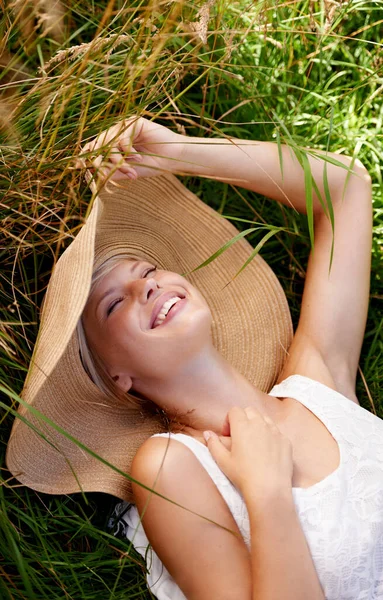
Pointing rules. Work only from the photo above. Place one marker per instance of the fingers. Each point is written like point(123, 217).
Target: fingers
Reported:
point(217, 449)
point(116, 158)
point(253, 413)
point(120, 163)
point(237, 417)
point(116, 164)
point(226, 426)
point(111, 151)
point(269, 421)
point(113, 139)
point(226, 441)
point(98, 167)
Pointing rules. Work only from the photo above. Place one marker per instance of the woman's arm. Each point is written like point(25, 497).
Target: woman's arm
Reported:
point(333, 315)
point(260, 464)
point(208, 561)
point(281, 563)
point(328, 340)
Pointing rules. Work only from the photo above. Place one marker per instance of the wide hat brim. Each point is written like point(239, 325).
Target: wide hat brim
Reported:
point(158, 219)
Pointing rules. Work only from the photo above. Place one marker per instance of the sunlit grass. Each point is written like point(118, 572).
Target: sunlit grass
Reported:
point(302, 73)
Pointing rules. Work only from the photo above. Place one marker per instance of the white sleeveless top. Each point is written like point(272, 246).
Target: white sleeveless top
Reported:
point(341, 516)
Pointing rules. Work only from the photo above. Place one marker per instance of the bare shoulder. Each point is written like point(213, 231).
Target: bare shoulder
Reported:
point(155, 446)
point(172, 470)
point(160, 455)
point(188, 523)
point(169, 467)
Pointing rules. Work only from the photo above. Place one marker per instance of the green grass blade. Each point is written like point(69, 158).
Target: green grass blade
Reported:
point(223, 248)
point(280, 154)
point(257, 249)
point(309, 195)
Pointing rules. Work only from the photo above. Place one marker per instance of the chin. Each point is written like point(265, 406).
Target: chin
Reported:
point(191, 338)
point(199, 322)
point(196, 335)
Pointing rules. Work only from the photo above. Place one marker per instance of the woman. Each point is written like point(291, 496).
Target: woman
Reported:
point(297, 457)
point(326, 347)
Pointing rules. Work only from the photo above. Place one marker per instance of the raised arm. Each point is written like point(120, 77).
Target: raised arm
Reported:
point(329, 337)
point(328, 340)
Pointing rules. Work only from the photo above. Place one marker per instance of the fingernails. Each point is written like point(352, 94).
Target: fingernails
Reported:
point(207, 435)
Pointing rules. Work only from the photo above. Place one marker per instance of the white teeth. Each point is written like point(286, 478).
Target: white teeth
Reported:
point(164, 310)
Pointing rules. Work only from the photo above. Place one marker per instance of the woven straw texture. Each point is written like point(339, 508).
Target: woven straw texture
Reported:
point(160, 220)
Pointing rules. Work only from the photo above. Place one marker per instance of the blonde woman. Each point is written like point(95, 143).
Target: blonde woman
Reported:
point(284, 488)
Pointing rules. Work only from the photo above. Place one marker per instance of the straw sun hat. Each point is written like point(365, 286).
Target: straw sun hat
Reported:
point(160, 220)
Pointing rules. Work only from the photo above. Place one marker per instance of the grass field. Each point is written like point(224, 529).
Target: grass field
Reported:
point(296, 71)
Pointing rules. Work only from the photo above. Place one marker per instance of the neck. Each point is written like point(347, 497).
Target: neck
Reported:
point(201, 395)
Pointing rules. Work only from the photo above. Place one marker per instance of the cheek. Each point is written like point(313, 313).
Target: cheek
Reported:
point(155, 353)
point(124, 322)
point(186, 335)
point(120, 337)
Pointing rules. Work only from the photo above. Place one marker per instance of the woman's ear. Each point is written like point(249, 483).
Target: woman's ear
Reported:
point(123, 381)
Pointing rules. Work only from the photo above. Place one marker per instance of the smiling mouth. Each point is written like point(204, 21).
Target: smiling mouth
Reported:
point(166, 309)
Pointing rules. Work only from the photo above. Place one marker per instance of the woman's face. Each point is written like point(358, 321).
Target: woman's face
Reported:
point(124, 321)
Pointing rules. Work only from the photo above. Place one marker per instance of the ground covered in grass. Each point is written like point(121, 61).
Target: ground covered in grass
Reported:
point(299, 71)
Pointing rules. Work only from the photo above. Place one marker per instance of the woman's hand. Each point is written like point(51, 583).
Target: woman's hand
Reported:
point(135, 147)
point(259, 462)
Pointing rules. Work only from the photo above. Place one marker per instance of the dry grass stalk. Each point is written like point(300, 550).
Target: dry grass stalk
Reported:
point(50, 17)
point(200, 27)
point(75, 51)
point(275, 43)
point(6, 337)
point(12, 72)
point(39, 18)
point(330, 7)
point(313, 23)
point(6, 114)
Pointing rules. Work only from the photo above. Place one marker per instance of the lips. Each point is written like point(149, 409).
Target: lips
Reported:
point(159, 304)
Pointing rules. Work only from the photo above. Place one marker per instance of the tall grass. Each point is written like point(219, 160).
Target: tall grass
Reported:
point(301, 71)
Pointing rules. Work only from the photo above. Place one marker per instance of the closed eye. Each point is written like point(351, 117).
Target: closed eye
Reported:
point(117, 300)
point(151, 270)
point(114, 303)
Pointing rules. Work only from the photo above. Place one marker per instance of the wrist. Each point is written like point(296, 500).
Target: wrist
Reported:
point(262, 502)
point(176, 155)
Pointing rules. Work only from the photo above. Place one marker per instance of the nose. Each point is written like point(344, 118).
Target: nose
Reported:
point(143, 289)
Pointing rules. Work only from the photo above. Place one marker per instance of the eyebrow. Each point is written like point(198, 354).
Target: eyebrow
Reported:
point(114, 289)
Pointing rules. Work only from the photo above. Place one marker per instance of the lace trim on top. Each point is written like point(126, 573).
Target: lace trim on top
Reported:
point(341, 516)
point(288, 389)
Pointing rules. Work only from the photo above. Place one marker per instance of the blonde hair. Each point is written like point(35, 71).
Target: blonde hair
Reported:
point(96, 369)
point(92, 363)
